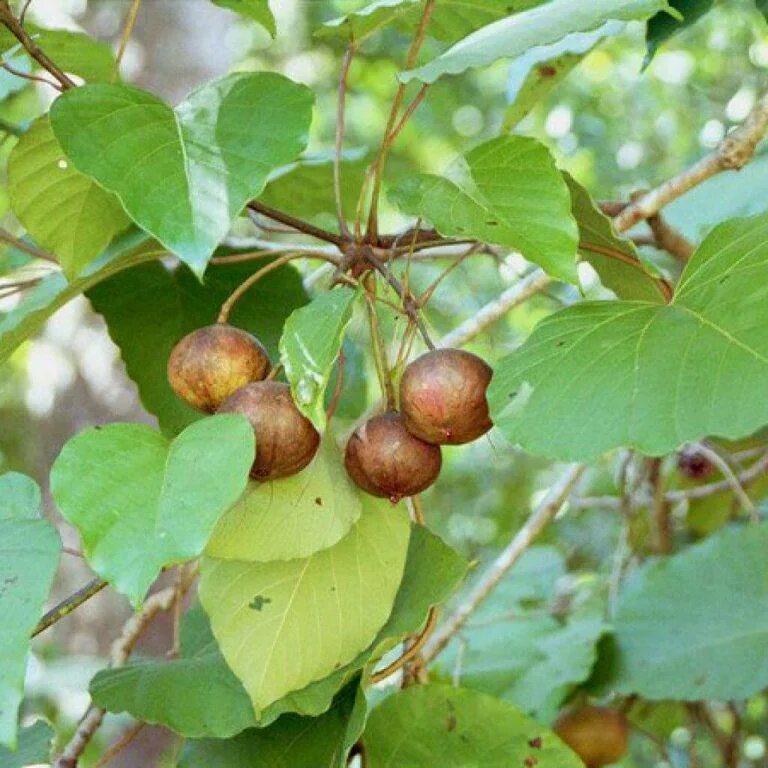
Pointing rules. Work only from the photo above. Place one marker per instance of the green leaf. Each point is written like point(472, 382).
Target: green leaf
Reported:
point(512, 194)
point(430, 725)
point(451, 19)
point(762, 6)
point(184, 175)
point(74, 52)
point(637, 374)
point(141, 502)
point(20, 497)
point(530, 659)
point(29, 555)
point(214, 702)
point(694, 626)
point(309, 346)
point(543, 25)
point(255, 10)
point(292, 517)
point(53, 292)
point(663, 25)
point(627, 277)
point(33, 748)
point(432, 573)
point(63, 210)
point(284, 624)
point(179, 305)
point(291, 742)
point(515, 649)
point(535, 74)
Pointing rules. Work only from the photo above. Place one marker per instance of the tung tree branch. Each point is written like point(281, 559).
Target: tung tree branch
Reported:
point(539, 519)
point(733, 153)
point(14, 26)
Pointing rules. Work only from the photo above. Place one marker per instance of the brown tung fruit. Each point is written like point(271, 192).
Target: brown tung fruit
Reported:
point(211, 363)
point(385, 459)
point(286, 441)
point(442, 397)
point(598, 735)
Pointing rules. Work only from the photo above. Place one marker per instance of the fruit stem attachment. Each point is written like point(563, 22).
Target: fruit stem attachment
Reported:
point(413, 650)
point(410, 305)
point(251, 280)
point(379, 352)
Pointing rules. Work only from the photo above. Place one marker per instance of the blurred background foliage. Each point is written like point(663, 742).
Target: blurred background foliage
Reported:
point(615, 125)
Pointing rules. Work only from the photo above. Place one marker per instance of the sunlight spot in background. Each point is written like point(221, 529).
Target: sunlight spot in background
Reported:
point(630, 155)
point(758, 53)
point(587, 276)
point(673, 67)
point(711, 134)
point(680, 737)
point(741, 104)
point(559, 121)
point(48, 372)
point(468, 120)
point(754, 748)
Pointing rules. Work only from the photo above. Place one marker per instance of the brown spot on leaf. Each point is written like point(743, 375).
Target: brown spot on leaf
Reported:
point(535, 742)
point(547, 70)
point(319, 501)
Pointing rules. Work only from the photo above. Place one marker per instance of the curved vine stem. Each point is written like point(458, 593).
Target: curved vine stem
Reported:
point(242, 289)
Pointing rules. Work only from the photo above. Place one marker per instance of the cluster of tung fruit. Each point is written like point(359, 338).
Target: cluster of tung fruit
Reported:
point(221, 369)
point(442, 402)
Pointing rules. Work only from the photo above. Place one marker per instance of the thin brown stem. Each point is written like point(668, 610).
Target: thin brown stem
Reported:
point(379, 351)
point(15, 27)
point(410, 305)
point(121, 649)
point(123, 742)
point(32, 250)
point(660, 508)
point(414, 649)
point(426, 296)
point(27, 75)
point(237, 294)
point(69, 604)
point(340, 128)
point(381, 159)
point(298, 224)
point(130, 23)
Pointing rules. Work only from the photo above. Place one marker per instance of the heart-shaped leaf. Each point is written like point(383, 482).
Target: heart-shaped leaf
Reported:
point(281, 625)
point(29, 554)
point(456, 728)
point(291, 517)
point(184, 175)
point(543, 25)
point(141, 502)
point(644, 375)
point(511, 194)
point(309, 346)
point(215, 703)
point(63, 210)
